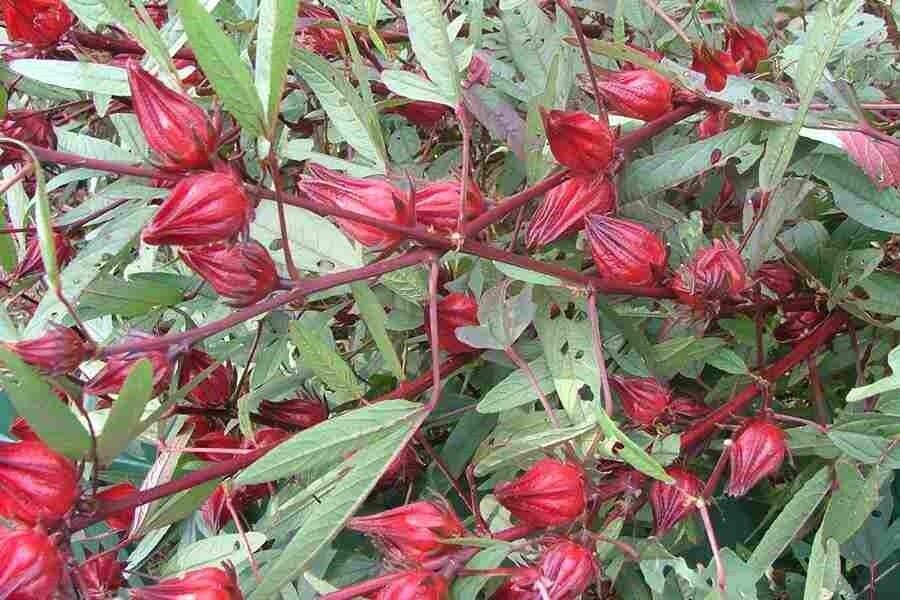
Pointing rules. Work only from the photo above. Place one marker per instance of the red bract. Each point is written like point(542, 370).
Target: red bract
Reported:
point(715, 65)
point(412, 532)
point(455, 310)
point(301, 412)
point(420, 113)
point(111, 377)
point(644, 399)
point(40, 23)
point(31, 127)
point(58, 351)
point(326, 41)
point(241, 273)
point(30, 565)
point(375, 198)
point(550, 493)
point(208, 583)
point(415, 585)
point(175, 128)
point(202, 209)
point(36, 483)
point(564, 207)
point(579, 141)
point(778, 277)
point(746, 46)
point(567, 569)
point(32, 263)
point(216, 440)
point(673, 502)
point(625, 251)
point(757, 452)
point(713, 123)
point(214, 390)
point(638, 93)
point(120, 521)
point(797, 325)
point(713, 273)
point(102, 576)
point(437, 204)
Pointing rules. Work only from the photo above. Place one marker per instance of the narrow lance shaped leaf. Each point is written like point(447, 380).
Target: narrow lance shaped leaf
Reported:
point(277, 21)
point(428, 35)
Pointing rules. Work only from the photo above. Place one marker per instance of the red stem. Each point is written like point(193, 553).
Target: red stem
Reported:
point(119, 46)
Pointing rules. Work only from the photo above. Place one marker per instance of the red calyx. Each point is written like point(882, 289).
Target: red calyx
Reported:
point(564, 207)
point(569, 568)
point(59, 351)
point(778, 277)
point(120, 521)
point(757, 451)
point(101, 576)
point(579, 141)
point(31, 127)
point(31, 567)
point(421, 113)
point(713, 273)
point(242, 273)
point(455, 310)
point(437, 204)
point(32, 263)
point(175, 128)
point(215, 389)
point(111, 377)
point(747, 47)
point(326, 41)
point(715, 65)
point(372, 197)
point(215, 511)
point(201, 209)
point(644, 399)
point(209, 583)
point(216, 440)
point(798, 325)
point(637, 93)
point(412, 532)
point(625, 251)
point(671, 503)
point(415, 585)
point(37, 485)
point(550, 493)
point(301, 412)
point(40, 23)
point(622, 481)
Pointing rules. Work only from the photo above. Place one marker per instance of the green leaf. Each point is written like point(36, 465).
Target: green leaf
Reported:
point(327, 517)
point(327, 441)
point(134, 297)
point(467, 588)
point(274, 39)
point(790, 520)
point(885, 384)
point(527, 275)
point(412, 86)
point(176, 507)
point(221, 63)
point(111, 239)
point(633, 334)
point(316, 354)
point(506, 318)
point(726, 359)
point(663, 170)
point(91, 147)
point(33, 400)
point(824, 567)
point(524, 446)
point(516, 390)
point(782, 204)
point(124, 419)
point(679, 353)
point(211, 552)
point(73, 75)
point(630, 452)
point(431, 44)
point(853, 500)
point(374, 316)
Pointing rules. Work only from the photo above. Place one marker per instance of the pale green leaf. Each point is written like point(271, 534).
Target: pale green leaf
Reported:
point(431, 44)
point(374, 317)
point(123, 422)
point(275, 35)
point(525, 446)
point(516, 389)
point(317, 355)
point(412, 86)
point(73, 75)
point(212, 552)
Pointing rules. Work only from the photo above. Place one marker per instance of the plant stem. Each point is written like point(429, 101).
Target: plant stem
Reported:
point(465, 126)
point(585, 55)
point(713, 480)
point(119, 46)
point(532, 379)
point(818, 394)
point(435, 338)
point(274, 171)
point(669, 21)
point(721, 581)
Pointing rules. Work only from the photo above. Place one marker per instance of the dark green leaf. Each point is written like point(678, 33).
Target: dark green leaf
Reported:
point(124, 418)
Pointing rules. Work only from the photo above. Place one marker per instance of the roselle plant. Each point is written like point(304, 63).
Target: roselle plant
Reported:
point(468, 299)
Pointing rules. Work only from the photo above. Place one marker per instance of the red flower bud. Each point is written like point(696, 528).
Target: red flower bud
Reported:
point(176, 128)
point(59, 351)
point(202, 209)
point(120, 521)
point(102, 576)
point(638, 93)
point(421, 113)
point(301, 412)
point(326, 41)
point(746, 46)
point(371, 197)
point(625, 251)
point(622, 481)
point(757, 452)
point(415, 585)
point(567, 569)
point(215, 389)
point(208, 583)
point(36, 483)
point(437, 204)
point(32, 263)
point(242, 273)
point(550, 493)
point(455, 310)
point(40, 23)
point(27, 126)
point(405, 468)
point(216, 440)
point(31, 567)
point(713, 123)
point(111, 377)
point(778, 277)
point(644, 399)
point(564, 207)
point(412, 532)
point(798, 325)
point(713, 273)
point(579, 141)
point(672, 503)
point(715, 65)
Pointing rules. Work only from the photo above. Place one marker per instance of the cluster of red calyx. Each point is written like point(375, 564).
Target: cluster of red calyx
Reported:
point(745, 48)
point(713, 274)
point(212, 583)
point(38, 23)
